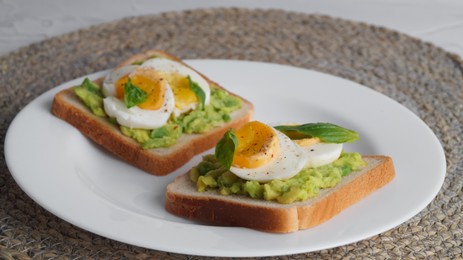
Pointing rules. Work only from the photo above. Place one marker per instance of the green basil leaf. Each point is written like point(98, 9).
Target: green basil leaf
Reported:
point(326, 132)
point(198, 91)
point(225, 148)
point(133, 95)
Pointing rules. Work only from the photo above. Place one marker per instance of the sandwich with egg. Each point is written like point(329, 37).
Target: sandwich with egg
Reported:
point(278, 179)
point(153, 111)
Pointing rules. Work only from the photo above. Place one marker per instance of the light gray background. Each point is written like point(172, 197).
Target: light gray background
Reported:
point(27, 21)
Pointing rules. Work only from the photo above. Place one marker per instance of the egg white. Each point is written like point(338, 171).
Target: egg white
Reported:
point(288, 163)
point(322, 153)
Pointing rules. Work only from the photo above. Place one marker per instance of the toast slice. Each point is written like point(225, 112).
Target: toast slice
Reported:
point(159, 161)
point(182, 199)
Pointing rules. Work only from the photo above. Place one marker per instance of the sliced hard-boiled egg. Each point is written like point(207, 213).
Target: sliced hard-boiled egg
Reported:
point(153, 112)
point(115, 78)
point(264, 154)
point(319, 154)
point(177, 75)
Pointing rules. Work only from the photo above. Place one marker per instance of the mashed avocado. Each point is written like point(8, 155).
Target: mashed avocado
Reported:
point(217, 112)
point(90, 94)
point(210, 174)
point(195, 122)
point(164, 136)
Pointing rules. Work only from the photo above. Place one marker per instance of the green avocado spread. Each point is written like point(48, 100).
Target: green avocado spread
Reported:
point(210, 174)
point(90, 94)
point(197, 121)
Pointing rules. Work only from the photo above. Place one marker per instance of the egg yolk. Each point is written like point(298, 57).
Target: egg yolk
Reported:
point(258, 144)
point(180, 85)
point(149, 81)
point(307, 141)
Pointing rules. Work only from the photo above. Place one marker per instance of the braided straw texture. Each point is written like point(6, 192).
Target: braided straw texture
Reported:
point(424, 78)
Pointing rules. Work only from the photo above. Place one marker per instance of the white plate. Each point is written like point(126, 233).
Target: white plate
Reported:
point(79, 182)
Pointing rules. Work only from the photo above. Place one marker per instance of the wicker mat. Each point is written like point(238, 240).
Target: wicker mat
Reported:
point(424, 78)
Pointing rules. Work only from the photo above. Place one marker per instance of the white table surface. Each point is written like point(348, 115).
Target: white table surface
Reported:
point(27, 21)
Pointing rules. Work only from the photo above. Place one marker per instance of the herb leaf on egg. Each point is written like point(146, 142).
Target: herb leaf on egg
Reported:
point(326, 132)
point(133, 95)
point(199, 92)
point(225, 148)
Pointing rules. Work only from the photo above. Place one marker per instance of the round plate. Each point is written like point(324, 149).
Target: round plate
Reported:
point(76, 180)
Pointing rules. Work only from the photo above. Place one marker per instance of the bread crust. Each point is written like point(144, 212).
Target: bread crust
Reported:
point(159, 161)
point(183, 200)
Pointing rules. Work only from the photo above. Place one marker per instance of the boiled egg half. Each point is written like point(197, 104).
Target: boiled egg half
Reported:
point(177, 75)
point(263, 154)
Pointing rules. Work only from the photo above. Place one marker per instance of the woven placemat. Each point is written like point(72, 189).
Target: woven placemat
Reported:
point(424, 78)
